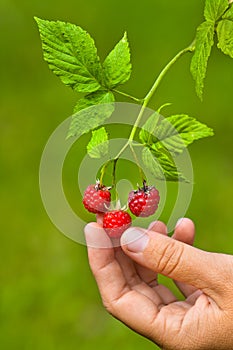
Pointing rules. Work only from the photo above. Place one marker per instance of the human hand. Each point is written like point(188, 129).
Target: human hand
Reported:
point(127, 280)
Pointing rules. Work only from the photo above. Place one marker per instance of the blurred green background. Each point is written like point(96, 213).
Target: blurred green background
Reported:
point(48, 297)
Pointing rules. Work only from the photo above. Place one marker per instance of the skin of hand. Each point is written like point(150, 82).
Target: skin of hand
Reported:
point(127, 280)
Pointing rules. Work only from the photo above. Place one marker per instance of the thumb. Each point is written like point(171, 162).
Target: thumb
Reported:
point(176, 260)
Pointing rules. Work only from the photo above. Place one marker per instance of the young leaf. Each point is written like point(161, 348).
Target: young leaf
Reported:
point(178, 131)
point(98, 145)
point(99, 108)
point(117, 66)
point(214, 9)
point(71, 54)
point(204, 43)
point(146, 134)
point(225, 37)
point(161, 166)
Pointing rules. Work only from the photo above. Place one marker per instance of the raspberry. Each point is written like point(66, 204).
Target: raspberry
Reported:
point(96, 198)
point(116, 222)
point(144, 201)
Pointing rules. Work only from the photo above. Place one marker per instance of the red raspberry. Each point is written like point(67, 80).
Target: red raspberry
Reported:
point(144, 201)
point(96, 198)
point(116, 222)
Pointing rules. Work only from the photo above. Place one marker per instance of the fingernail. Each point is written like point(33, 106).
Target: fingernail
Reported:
point(135, 240)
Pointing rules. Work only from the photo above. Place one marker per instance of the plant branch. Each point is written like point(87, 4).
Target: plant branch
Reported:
point(127, 95)
point(145, 102)
point(190, 48)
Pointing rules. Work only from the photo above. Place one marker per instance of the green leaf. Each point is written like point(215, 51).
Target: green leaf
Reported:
point(161, 165)
point(146, 134)
point(71, 55)
point(228, 14)
point(95, 98)
point(117, 66)
point(178, 131)
point(91, 112)
point(173, 133)
point(98, 145)
point(225, 37)
point(204, 43)
point(214, 9)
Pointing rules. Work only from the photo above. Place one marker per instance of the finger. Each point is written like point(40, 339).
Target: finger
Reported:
point(131, 307)
point(104, 266)
point(185, 232)
point(133, 279)
point(99, 219)
point(176, 260)
point(147, 275)
point(158, 226)
point(180, 235)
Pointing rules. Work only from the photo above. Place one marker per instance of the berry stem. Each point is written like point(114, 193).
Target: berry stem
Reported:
point(103, 170)
point(114, 173)
point(142, 175)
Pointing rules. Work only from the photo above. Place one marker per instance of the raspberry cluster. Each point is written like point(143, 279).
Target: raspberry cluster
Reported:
point(142, 202)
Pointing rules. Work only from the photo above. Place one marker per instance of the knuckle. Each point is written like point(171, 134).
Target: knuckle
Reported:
point(169, 260)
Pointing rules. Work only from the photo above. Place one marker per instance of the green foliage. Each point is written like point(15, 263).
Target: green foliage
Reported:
point(166, 138)
point(214, 9)
point(117, 66)
point(214, 12)
point(98, 145)
point(228, 14)
point(95, 98)
point(161, 165)
point(204, 43)
point(225, 36)
point(179, 131)
point(93, 116)
point(147, 133)
point(71, 54)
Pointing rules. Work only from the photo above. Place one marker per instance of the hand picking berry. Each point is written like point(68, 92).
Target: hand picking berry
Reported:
point(116, 222)
point(144, 201)
point(97, 198)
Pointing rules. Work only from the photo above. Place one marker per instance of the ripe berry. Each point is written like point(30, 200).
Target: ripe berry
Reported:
point(116, 222)
point(96, 198)
point(144, 201)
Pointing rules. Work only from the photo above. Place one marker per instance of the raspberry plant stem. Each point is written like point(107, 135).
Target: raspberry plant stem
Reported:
point(142, 175)
point(148, 97)
point(129, 96)
point(144, 102)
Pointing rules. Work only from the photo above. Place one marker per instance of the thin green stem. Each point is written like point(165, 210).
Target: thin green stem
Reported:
point(103, 170)
point(142, 175)
point(129, 96)
point(144, 103)
point(190, 48)
point(155, 86)
point(114, 172)
point(122, 150)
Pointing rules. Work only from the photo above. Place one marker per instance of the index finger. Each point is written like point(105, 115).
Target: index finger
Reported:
point(128, 305)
